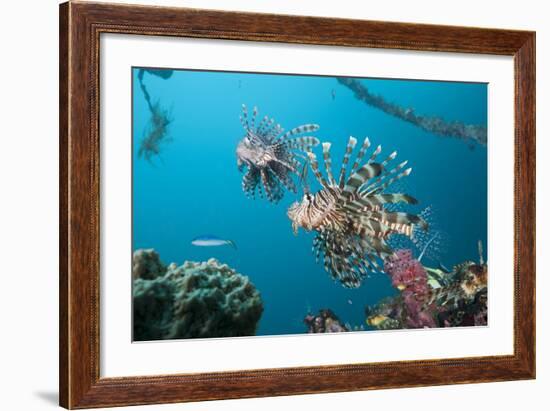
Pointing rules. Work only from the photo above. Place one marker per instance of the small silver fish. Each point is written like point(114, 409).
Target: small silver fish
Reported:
point(212, 241)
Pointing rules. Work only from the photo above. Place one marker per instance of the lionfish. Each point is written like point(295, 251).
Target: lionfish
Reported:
point(271, 157)
point(349, 215)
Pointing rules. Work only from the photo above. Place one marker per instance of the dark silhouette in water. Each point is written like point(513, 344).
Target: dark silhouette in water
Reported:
point(156, 133)
point(157, 130)
point(435, 125)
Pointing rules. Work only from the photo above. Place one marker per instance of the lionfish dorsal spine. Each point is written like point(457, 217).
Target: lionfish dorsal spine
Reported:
point(244, 118)
point(315, 168)
point(268, 128)
point(364, 147)
point(328, 163)
point(389, 158)
point(274, 132)
point(261, 126)
point(253, 120)
point(375, 154)
point(349, 149)
point(379, 185)
point(360, 177)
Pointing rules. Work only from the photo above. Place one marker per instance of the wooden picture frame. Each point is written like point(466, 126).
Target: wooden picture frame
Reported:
point(80, 27)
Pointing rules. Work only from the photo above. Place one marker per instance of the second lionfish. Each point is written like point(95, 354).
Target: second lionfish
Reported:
point(271, 156)
point(350, 215)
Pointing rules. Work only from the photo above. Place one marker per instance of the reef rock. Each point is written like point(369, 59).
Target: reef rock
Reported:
point(194, 300)
point(325, 322)
point(146, 264)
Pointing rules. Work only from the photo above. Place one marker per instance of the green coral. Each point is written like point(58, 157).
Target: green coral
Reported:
point(194, 300)
point(153, 301)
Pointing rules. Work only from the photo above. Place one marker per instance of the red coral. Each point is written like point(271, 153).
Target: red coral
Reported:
point(409, 276)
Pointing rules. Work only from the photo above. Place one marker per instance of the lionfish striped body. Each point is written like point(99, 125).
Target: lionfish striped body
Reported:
point(349, 215)
point(271, 156)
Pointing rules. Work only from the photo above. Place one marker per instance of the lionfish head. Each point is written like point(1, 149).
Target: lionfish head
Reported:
point(244, 152)
point(297, 213)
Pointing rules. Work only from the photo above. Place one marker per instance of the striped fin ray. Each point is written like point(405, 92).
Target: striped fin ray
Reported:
point(315, 169)
point(393, 198)
point(379, 246)
point(360, 177)
point(261, 127)
point(369, 227)
point(364, 147)
point(389, 158)
point(244, 118)
point(361, 205)
point(274, 132)
point(349, 148)
point(368, 255)
point(268, 128)
point(397, 219)
point(253, 119)
point(379, 185)
point(268, 185)
point(375, 154)
point(275, 187)
point(328, 163)
point(250, 182)
point(304, 128)
point(359, 265)
point(374, 202)
point(370, 258)
point(389, 182)
point(305, 143)
point(281, 173)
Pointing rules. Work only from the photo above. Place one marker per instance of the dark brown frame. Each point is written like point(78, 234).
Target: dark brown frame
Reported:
point(80, 27)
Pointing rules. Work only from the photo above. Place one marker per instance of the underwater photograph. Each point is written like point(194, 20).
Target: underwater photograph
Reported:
point(283, 204)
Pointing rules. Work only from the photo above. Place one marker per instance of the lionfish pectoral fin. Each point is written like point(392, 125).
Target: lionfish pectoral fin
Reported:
point(305, 128)
point(393, 198)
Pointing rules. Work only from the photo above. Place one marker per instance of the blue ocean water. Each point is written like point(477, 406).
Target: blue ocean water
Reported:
point(193, 187)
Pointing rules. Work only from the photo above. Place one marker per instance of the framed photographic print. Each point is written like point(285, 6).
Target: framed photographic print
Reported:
point(249, 200)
